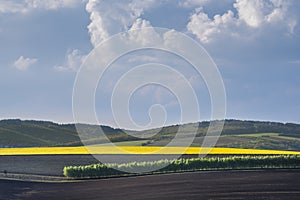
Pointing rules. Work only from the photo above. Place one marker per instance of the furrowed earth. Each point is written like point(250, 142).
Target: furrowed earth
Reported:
point(269, 184)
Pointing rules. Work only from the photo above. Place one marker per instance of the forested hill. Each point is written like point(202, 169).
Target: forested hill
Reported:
point(19, 133)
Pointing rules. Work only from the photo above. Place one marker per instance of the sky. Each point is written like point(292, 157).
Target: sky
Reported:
point(254, 43)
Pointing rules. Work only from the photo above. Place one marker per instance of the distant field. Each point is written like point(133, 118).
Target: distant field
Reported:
point(269, 141)
point(131, 143)
point(259, 134)
point(134, 150)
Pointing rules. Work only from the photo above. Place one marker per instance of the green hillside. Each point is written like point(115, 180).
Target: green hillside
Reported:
point(236, 133)
point(240, 134)
point(28, 133)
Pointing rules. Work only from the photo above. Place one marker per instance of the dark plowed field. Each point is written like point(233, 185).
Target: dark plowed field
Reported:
point(271, 184)
point(53, 165)
point(43, 164)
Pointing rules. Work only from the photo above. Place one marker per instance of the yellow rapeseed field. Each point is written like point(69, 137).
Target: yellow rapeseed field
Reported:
point(134, 150)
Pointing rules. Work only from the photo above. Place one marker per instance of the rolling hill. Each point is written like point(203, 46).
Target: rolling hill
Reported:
point(236, 133)
point(29, 133)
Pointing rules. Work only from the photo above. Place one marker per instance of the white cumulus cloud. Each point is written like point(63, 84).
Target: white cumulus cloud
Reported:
point(252, 12)
point(192, 3)
point(15, 6)
point(24, 63)
point(111, 17)
point(11, 7)
point(204, 27)
point(251, 15)
point(74, 59)
point(108, 18)
point(53, 4)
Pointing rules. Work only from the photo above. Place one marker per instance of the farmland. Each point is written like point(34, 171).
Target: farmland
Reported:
point(138, 150)
point(236, 134)
point(270, 184)
point(41, 150)
point(40, 144)
point(52, 160)
point(180, 165)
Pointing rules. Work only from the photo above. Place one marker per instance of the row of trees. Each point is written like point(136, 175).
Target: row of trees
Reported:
point(192, 164)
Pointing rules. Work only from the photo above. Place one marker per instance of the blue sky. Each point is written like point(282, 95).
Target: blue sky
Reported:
point(255, 45)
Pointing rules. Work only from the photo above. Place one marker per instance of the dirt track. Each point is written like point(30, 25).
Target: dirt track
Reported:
point(200, 185)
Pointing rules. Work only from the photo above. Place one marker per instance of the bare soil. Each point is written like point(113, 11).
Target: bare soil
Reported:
point(52, 165)
point(269, 184)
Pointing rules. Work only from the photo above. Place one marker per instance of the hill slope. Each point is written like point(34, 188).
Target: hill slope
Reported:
point(236, 133)
point(18, 133)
